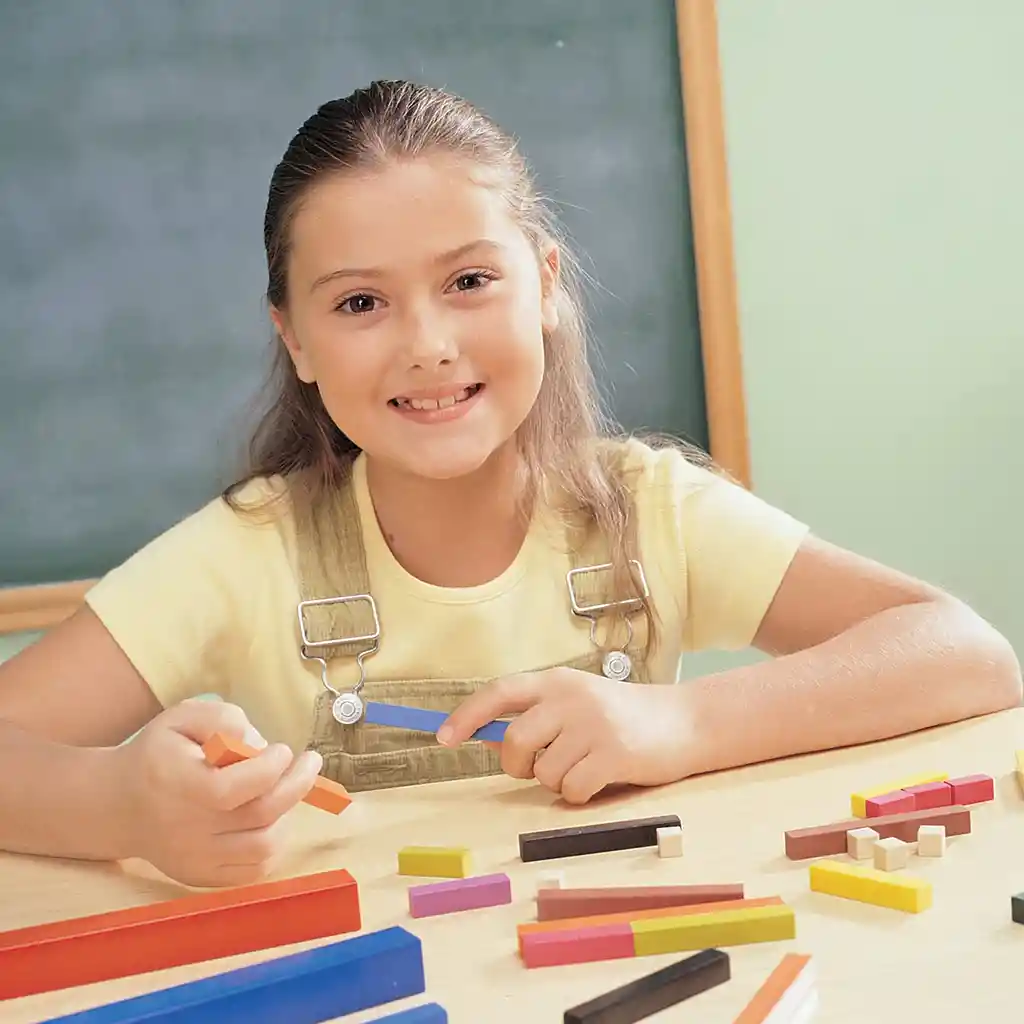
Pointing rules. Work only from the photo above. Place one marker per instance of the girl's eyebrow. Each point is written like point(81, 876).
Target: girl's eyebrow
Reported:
point(445, 257)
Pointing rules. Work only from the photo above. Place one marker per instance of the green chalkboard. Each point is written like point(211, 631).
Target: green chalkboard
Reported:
point(136, 144)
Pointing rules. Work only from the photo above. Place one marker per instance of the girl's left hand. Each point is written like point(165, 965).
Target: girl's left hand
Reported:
point(577, 733)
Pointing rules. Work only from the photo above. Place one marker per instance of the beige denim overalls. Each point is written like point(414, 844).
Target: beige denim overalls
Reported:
point(338, 618)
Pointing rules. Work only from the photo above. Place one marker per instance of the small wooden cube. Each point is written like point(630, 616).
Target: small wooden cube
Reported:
point(860, 843)
point(931, 840)
point(551, 880)
point(670, 841)
point(891, 854)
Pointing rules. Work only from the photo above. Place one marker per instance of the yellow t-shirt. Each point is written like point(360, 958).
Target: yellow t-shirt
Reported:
point(210, 605)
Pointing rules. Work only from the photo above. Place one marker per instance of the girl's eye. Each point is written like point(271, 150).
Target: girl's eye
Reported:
point(358, 304)
point(473, 281)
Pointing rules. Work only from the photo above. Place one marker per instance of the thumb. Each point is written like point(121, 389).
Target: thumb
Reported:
point(199, 719)
point(506, 695)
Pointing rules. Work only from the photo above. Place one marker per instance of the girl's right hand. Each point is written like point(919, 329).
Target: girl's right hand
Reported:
point(201, 825)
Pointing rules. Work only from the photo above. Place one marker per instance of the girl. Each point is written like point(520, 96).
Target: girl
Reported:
point(435, 515)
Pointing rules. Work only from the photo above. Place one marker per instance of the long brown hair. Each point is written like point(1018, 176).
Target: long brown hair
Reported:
point(564, 441)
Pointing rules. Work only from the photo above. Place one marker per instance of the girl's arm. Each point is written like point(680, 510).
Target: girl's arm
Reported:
point(65, 702)
point(70, 786)
point(861, 653)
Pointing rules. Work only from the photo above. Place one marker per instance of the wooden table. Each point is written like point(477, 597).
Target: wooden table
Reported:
point(961, 961)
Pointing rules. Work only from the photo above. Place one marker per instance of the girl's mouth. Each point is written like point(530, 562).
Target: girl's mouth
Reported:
point(435, 409)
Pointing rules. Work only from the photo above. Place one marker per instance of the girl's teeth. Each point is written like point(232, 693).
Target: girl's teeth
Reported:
point(438, 403)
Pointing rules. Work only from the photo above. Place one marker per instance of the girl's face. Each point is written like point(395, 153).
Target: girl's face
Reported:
point(418, 307)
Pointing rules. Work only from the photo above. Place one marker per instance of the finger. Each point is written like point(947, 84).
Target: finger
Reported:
point(504, 696)
point(229, 876)
point(198, 720)
point(554, 763)
point(224, 789)
point(253, 847)
point(266, 809)
point(525, 738)
point(584, 780)
point(222, 876)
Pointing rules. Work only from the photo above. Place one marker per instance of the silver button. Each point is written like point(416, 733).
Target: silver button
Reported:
point(347, 708)
point(617, 665)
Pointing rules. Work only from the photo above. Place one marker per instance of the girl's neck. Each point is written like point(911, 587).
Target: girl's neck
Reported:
point(454, 533)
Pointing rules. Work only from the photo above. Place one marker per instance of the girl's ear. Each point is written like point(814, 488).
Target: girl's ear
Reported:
point(300, 358)
point(549, 276)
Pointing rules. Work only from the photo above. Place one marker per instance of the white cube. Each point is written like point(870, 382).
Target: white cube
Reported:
point(860, 843)
point(551, 880)
point(670, 841)
point(931, 840)
point(891, 854)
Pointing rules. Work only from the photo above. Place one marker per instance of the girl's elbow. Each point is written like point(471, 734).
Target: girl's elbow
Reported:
point(1006, 670)
point(998, 672)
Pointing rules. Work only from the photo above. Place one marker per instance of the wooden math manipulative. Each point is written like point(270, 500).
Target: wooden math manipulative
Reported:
point(931, 841)
point(670, 842)
point(789, 994)
point(858, 801)
point(435, 861)
point(826, 840)
point(860, 843)
point(932, 794)
point(599, 838)
point(655, 992)
point(968, 789)
point(449, 897)
point(891, 854)
point(399, 716)
point(319, 984)
point(972, 789)
point(221, 750)
point(560, 903)
point(188, 930)
point(551, 880)
point(425, 1013)
point(1017, 908)
point(633, 933)
point(870, 885)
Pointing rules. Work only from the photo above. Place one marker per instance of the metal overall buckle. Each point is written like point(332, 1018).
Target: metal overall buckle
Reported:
point(348, 706)
point(615, 664)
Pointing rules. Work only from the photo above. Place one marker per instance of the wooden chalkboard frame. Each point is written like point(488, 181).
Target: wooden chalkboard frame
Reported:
point(40, 607)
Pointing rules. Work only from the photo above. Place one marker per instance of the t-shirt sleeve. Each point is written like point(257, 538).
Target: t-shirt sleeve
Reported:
point(724, 549)
point(737, 548)
point(176, 605)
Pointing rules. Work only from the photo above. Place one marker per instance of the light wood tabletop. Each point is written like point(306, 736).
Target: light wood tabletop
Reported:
point(959, 961)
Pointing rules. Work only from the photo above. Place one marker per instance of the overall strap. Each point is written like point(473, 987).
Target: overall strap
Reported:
point(337, 614)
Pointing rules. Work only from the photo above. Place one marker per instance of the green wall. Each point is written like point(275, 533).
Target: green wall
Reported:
point(877, 161)
point(13, 643)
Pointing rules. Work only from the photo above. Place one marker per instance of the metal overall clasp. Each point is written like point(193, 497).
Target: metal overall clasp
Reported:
point(348, 706)
point(616, 664)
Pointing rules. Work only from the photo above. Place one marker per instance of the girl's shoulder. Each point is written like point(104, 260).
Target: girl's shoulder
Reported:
point(246, 514)
point(662, 467)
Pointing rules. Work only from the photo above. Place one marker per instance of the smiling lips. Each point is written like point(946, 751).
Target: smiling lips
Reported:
point(439, 406)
